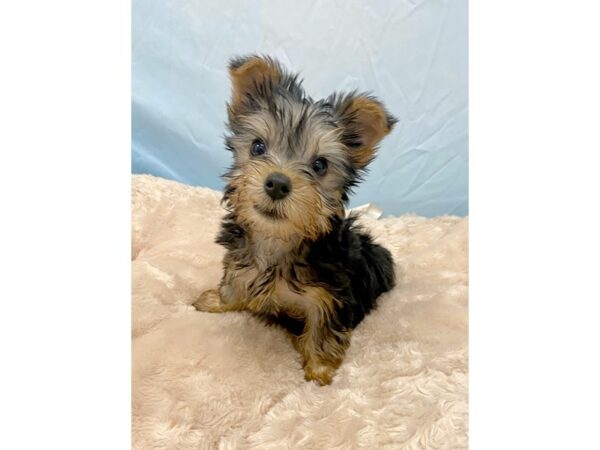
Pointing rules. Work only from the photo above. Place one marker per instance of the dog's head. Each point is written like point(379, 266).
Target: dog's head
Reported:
point(295, 159)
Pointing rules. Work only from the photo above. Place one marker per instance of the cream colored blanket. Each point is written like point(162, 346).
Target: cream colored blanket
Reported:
point(226, 381)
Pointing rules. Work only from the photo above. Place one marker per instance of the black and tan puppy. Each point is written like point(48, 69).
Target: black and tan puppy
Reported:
point(292, 256)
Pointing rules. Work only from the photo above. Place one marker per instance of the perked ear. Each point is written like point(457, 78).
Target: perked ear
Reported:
point(365, 122)
point(249, 76)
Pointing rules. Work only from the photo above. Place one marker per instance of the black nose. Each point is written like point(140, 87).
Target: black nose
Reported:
point(278, 186)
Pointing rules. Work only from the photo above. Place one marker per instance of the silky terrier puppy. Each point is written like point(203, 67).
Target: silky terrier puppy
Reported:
point(293, 258)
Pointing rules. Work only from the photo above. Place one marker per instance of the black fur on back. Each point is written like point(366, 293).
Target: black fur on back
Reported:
point(355, 268)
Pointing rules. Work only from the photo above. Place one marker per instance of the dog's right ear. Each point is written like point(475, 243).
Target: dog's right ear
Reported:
point(251, 76)
point(365, 122)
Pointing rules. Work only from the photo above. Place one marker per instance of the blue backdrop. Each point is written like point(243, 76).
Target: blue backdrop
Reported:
point(412, 54)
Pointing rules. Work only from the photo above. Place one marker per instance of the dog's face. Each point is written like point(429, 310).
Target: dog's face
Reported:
point(295, 159)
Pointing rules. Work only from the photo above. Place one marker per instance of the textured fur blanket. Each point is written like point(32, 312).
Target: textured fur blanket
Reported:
point(227, 381)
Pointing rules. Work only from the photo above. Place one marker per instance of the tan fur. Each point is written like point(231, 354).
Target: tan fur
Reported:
point(305, 213)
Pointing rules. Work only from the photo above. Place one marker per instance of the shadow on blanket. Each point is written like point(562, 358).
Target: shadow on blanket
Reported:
point(227, 381)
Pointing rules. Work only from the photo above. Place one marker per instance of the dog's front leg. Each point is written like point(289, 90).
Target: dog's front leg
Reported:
point(230, 296)
point(212, 301)
point(323, 343)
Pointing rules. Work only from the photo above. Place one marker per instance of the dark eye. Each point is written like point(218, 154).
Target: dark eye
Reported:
point(258, 148)
point(320, 166)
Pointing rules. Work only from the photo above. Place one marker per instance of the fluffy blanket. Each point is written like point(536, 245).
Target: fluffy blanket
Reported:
point(227, 381)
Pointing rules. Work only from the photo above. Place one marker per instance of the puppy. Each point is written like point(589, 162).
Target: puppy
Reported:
point(293, 258)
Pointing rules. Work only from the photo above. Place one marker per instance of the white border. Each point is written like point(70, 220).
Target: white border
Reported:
point(534, 187)
point(64, 226)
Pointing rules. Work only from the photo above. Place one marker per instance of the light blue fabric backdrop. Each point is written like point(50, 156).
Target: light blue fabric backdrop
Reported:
point(411, 53)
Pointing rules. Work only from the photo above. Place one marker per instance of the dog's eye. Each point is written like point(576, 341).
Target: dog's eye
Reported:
point(258, 148)
point(320, 166)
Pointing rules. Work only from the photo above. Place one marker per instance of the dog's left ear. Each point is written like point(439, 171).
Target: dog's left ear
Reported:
point(365, 122)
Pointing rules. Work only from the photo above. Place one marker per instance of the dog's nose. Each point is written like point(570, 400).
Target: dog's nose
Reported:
point(278, 186)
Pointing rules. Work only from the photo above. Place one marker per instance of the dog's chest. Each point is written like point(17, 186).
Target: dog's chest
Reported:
point(275, 277)
point(276, 290)
point(289, 299)
point(268, 253)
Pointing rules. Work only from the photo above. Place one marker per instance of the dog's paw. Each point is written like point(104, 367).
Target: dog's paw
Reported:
point(209, 301)
point(318, 372)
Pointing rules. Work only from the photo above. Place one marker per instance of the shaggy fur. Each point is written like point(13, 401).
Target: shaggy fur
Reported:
point(293, 258)
point(227, 381)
